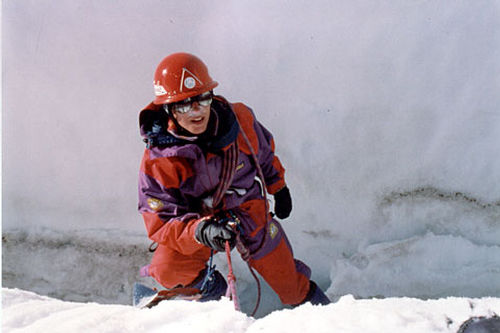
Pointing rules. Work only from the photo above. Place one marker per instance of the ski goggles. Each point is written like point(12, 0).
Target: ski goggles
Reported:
point(186, 105)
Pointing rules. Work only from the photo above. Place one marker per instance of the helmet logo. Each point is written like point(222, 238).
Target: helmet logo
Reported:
point(188, 82)
point(159, 89)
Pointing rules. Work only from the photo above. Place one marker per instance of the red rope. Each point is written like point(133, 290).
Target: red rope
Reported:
point(231, 290)
point(228, 169)
point(266, 212)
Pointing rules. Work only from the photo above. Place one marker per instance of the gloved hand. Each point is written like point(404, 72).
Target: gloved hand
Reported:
point(282, 203)
point(214, 233)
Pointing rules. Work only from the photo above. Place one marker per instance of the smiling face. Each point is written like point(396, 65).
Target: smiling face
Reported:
point(194, 121)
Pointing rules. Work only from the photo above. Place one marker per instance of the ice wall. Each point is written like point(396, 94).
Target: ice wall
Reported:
point(385, 114)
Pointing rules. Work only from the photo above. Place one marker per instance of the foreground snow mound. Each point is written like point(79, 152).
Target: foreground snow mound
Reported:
point(28, 312)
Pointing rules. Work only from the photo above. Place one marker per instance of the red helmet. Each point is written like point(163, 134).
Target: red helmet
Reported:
point(179, 76)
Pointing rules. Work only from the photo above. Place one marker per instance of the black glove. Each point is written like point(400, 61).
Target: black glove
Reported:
point(282, 203)
point(214, 234)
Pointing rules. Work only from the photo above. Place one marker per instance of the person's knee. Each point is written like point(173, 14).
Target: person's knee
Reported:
point(172, 269)
point(163, 275)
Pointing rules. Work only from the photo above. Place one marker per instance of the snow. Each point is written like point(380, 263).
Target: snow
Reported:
point(27, 312)
point(384, 113)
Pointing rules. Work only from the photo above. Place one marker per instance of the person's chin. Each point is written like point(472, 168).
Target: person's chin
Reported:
point(198, 129)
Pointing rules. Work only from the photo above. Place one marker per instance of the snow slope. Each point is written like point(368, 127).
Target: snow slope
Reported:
point(27, 312)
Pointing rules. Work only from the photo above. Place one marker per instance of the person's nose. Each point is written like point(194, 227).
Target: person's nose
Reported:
point(195, 108)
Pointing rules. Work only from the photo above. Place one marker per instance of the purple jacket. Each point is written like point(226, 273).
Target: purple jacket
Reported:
point(179, 174)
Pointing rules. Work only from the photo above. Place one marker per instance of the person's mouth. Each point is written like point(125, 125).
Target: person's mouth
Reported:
point(197, 120)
